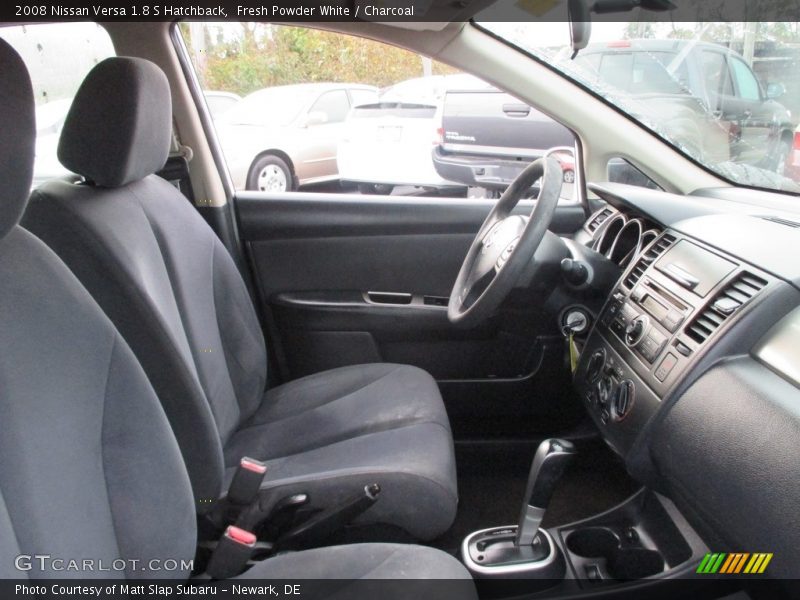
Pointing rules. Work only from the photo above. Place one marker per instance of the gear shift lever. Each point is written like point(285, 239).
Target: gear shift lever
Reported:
point(524, 550)
point(548, 465)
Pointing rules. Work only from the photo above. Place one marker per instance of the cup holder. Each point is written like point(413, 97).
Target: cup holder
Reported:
point(620, 563)
point(593, 542)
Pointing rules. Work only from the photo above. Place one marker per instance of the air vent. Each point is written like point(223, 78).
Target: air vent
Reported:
point(599, 219)
point(738, 292)
point(662, 244)
point(645, 260)
point(781, 221)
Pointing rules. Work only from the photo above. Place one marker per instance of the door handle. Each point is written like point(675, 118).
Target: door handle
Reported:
point(516, 110)
point(389, 298)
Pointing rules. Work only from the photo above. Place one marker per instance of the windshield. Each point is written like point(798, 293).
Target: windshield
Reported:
point(725, 94)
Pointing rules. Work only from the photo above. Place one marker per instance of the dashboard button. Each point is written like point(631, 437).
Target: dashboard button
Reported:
point(618, 328)
point(628, 312)
point(673, 320)
point(683, 348)
point(649, 348)
point(666, 366)
point(611, 313)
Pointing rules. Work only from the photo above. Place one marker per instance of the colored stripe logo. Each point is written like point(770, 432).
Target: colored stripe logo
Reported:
point(734, 563)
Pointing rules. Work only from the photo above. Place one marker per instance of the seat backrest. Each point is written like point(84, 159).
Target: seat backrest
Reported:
point(152, 262)
point(90, 468)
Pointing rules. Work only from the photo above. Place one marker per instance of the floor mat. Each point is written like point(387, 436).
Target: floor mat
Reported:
point(492, 481)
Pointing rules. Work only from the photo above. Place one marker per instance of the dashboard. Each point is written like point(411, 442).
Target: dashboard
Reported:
point(706, 294)
point(676, 298)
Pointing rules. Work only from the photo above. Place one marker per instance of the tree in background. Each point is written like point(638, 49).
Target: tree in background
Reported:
point(245, 57)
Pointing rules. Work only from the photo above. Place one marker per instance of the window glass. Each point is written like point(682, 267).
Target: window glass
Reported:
point(334, 105)
point(621, 171)
point(693, 84)
point(221, 102)
point(615, 69)
point(359, 96)
point(715, 73)
point(388, 116)
point(746, 83)
point(58, 57)
point(640, 72)
point(658, 73)
point(271, 106)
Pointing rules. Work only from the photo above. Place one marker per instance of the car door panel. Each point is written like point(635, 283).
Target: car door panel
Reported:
point(756, 116)
point(350, 279)
point(319, 153)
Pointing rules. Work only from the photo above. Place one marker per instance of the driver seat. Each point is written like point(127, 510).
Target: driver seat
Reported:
point(173, 291)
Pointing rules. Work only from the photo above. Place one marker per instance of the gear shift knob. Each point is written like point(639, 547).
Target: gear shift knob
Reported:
point(548, 465)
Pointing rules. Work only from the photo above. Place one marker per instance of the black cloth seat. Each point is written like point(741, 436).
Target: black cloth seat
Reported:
point(91, 468)
point(171, 288)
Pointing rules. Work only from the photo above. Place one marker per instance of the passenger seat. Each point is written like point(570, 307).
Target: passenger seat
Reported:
point(171, 288)
point(91, 469)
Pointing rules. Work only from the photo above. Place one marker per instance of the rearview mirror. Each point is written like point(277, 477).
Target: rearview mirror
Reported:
point(617, 6)
point(580, 25)
point(775, 90)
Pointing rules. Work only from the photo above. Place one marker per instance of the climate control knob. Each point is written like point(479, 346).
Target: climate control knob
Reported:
point(622, 399)
point(595, 367)
point(604, 388)
point(636, 330)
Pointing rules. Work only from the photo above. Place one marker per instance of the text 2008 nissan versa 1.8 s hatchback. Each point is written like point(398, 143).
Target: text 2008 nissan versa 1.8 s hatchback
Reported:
point(575, 391)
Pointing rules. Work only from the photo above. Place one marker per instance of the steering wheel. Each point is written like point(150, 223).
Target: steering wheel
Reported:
point(505, 245)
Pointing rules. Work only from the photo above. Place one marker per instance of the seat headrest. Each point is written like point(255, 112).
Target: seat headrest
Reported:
point(17, 137)
point(119, 127)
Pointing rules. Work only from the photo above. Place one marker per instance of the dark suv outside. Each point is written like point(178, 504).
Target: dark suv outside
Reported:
point(489, 136)
point(708, 91)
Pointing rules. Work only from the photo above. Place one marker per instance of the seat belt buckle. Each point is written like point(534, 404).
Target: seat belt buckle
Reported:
point(233, 551)
point(247, 481)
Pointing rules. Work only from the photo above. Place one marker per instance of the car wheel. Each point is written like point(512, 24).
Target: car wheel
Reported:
point(569, 176)
point(381, 189)
point(270, 174)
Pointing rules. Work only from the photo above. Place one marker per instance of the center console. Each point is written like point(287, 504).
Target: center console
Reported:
point(674, 301)
point(645, 537)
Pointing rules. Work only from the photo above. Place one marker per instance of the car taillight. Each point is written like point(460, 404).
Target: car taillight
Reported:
point(439, 137)
point(619, 44)
point(794, 155)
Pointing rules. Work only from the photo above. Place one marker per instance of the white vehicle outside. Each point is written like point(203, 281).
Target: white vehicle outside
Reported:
point(389, 143)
